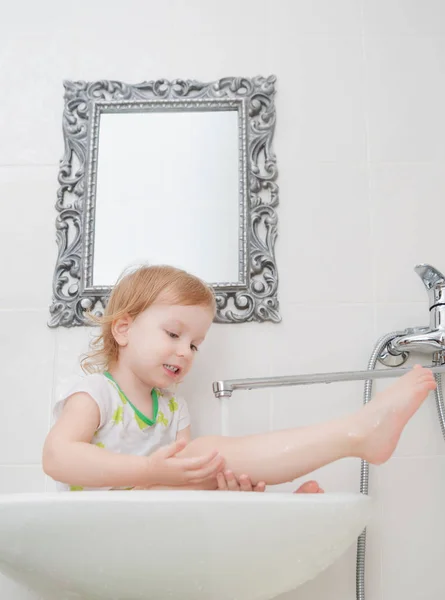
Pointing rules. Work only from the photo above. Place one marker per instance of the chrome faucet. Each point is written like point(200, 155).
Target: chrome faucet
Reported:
point(394, 354)
point(422, 339)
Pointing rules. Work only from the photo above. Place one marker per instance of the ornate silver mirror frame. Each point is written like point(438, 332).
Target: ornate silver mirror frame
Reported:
point(254, 296)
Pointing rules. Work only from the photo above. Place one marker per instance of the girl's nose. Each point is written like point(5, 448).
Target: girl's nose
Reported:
point(184, 350)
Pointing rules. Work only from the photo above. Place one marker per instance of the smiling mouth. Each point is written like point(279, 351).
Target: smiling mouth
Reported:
point(173, 370)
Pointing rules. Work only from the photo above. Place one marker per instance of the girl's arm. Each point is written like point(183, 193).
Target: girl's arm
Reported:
point(70, 457)
point(185, 434)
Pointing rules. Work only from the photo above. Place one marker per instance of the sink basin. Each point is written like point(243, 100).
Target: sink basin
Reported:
point(175, 545)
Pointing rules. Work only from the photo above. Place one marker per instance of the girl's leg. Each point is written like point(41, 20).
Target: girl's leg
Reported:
point(371, 434)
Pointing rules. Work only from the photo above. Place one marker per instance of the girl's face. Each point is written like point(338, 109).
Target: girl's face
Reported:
point(161, 342)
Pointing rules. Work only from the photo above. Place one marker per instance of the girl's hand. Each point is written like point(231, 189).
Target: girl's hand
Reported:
point(227, 481)
point(165, 468)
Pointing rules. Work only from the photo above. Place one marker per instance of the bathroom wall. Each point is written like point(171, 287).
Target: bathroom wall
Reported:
point(360, 147)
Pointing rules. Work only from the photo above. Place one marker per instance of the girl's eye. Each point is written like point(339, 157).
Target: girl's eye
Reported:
point(172, 335)
point(194, 348)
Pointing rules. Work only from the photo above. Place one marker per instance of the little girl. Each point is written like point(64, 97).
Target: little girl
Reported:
point(122, 427)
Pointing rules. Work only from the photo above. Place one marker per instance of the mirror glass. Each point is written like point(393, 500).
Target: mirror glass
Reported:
point(167, 192)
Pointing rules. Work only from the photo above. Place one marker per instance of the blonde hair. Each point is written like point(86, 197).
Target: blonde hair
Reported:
point(133, 293)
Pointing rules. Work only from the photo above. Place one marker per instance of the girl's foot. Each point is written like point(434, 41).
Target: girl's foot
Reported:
point(381, 422)
point(309, 487)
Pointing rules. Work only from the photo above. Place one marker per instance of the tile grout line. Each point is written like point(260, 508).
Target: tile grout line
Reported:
point(368, 171)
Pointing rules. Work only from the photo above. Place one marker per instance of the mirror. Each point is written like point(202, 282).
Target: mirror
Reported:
point(179, 173)
point(177, 194)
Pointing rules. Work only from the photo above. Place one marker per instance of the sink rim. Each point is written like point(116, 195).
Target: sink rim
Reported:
point(184, 496)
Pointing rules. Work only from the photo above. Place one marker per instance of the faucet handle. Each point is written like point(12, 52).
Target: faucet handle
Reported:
point(434, 282)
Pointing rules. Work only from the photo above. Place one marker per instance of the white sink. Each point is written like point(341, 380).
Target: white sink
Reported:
point(174, 545)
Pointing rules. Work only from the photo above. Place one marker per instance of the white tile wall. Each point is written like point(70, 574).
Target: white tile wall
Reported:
point(405, 92)
point(27, 358)
point(407, 217)
point(412, 527)
point(311, 69)
point(359, 142)
point(28, 195)
point(21, 478)
point(317, 17)
point(327, 213)
point(403, 17)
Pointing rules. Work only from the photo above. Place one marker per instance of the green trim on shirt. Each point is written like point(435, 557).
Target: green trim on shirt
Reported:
point(139, 416)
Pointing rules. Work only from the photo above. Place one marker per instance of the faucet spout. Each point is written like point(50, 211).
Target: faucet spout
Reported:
point(226, 388)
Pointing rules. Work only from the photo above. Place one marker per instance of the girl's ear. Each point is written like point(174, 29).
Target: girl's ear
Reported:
point(120, 328)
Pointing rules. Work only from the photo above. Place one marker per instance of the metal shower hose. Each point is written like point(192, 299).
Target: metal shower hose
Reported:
point(364, 471)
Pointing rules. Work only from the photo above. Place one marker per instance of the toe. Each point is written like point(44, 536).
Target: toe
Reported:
point(309, 487)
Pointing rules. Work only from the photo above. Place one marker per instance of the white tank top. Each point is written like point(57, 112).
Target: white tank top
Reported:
point(122, 428)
